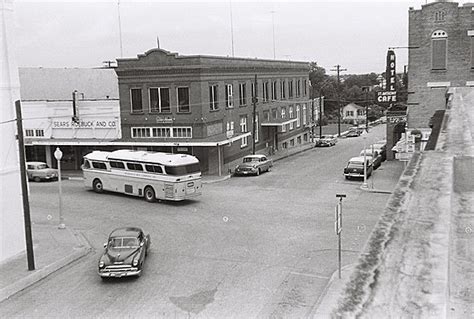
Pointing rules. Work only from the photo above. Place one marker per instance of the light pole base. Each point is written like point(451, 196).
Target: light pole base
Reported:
point(62, 226)
point(365, 185)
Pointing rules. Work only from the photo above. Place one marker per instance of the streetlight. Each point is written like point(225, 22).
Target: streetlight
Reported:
point(58, 155)
point(366, 89)
point(365, 166)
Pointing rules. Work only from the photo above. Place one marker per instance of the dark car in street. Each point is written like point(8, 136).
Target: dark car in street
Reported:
point(374, 154)
point(254, 165)
point(381, 146)
point(325, 140)
point(125, 253)
point(353, 132)
point(355, 167)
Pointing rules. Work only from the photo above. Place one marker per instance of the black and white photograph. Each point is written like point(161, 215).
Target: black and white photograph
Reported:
point(237, 159)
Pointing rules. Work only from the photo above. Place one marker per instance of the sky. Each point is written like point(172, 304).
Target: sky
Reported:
point(353, 34)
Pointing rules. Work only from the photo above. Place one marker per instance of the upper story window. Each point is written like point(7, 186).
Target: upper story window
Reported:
point(440, 16)
point(274, 90)
point(242, 94)
point(290, 89)
point(265, 91)
point(229, 99)
point(213, 97)
point(298, 121)
point(136, 100)
point(160, 100)
point(305, 87)
point(304, 114)
point(290, 114)
point(298, 88)
point(183, 99)
point(439, 49)
point(283, 89)
point(471, 37)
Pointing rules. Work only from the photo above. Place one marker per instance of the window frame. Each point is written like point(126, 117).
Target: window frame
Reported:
point(213, 97)
point(160, 106)
point(178, 107)
point(132, 110)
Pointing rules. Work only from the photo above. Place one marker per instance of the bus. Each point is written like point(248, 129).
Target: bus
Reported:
point(151, 175)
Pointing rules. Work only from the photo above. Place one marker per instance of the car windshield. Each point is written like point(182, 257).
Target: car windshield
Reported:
point(250, 159)
point(124, 242)
point(355, 165)
point(42, 166)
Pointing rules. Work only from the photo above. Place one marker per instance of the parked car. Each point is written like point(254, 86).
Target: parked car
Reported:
point(125, 253)
point(326, 140)
point(374, 154)
point(254, 165)
point(353, 133)
point(381, 146)
point(355, 167)
point(39, 171)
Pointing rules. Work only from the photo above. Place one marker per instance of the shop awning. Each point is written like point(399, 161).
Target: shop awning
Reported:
point(218, 140)
point(279, 122)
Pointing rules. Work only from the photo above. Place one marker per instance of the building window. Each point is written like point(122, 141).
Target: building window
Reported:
point(440, 16)
point(349, 113)
point(140, 132)
point(284, 145)
point(298, 140)
point(439, 46)
point(243, 129)
point(266, 116)
point(283, 89)
point(472, 51)
point(298, 118)
point(274, 114)
point(182, 132)
point(213, 97)
point(265, 91)
point(274, 90)
point(304, 114)
point(29, 133)
point(256, 127)
point(230, 129)
point(252, 89)
point(298, 88)
point(161, 132)
point(290, 114)
point(283, 116)
point(229, 100)
point(305, 87)
point(242, 94)
point(136, 100)
point(160, 100)
point(39, 133)
point(292, 142)
point(183, 99)
point(290, 89)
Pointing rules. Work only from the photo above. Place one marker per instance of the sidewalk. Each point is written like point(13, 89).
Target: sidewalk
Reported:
point(53, 249)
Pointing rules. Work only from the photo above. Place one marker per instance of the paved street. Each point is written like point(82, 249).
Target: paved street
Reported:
point(249, 247)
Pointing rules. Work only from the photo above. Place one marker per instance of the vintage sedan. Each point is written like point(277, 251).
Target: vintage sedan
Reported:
point(375, 154)
point(326, 140)
point(39, 171)
point(381, 146)
point(125, 253)
point(355, 167)
point(254, 165)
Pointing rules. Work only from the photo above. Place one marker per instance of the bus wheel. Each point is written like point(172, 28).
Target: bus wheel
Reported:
point(149, 194)
point(97, 186)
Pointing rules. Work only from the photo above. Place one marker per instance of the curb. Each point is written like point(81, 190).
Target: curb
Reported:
point(223, 178)
point(374, 190)
point(80, 251)
point(291, 154)
point(323, 296)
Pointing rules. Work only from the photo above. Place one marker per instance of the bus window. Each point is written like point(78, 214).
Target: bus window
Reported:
point(86, 164)
point(99, 165)
point(115, 164)
point(154, 169)
point(134, 167)
point(183, 170)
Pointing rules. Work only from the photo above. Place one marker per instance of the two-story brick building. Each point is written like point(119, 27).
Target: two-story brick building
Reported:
point(202, 105)
point(441, 38)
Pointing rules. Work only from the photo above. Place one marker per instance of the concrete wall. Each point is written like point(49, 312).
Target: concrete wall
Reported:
point(12, 235)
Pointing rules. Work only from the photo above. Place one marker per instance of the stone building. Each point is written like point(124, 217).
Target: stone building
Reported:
point(203, 105)
point(441, 41)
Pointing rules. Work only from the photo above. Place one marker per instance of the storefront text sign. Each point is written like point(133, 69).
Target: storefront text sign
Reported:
point(85, 124)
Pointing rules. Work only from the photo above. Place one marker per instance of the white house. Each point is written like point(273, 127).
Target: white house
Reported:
point(353, 113)
point(74, 109)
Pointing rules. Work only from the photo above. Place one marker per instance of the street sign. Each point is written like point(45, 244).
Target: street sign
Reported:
point(338, 221)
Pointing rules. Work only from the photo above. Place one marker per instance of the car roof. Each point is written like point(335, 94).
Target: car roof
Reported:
point(35, 163)
point(254, 156)
point(369, 150)
point(358, 159)
point(125, 232)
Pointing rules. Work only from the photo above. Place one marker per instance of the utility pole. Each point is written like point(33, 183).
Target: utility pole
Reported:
point(366, 89)
point(320, 113)
point(120, 29)
point(254, 102)
point(24, 189)
point(312, 114)
point(339, 70)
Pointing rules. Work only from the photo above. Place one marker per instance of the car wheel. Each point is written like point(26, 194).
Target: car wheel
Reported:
point(347, 177)
point(258, 172)
point(269, 169)
point(149, 194)
point(97, 186)
point(37, 179)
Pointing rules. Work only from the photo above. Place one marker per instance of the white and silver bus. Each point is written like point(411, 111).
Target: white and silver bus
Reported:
point(151, 175)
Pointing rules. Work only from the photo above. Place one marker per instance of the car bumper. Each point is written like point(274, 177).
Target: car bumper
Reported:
point(250, 172)
point(353, 175)
point(119, 274)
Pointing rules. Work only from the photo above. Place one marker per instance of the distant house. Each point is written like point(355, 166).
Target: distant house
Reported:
point(353, 113)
